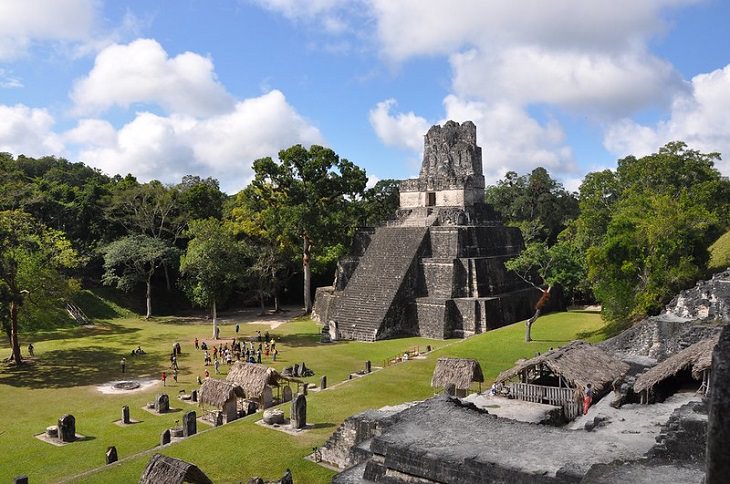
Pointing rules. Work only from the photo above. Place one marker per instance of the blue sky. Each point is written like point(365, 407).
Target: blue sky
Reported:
point(164, 89)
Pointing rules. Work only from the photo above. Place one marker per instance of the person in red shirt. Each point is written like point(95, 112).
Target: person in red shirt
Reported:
point(164, 378)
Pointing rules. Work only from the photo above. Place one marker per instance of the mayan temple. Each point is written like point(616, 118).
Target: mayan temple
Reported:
point(437, 270)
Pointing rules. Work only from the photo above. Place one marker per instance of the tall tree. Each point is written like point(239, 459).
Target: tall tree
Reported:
point(304, 199)
point(30, 257)
point(536, 203)
point(212, 264)
point(541, 265)
point(134, 259)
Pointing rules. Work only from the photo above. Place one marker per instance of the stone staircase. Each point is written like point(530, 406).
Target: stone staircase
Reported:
point(363, 306)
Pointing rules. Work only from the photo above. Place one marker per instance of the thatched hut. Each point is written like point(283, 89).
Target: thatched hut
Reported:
point(553, 376)
point(461, 372)
point(168, 470)
point(691, 364)
point(222, 395)
point(257, 381)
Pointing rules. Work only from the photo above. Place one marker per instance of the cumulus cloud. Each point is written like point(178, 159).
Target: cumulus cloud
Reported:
point(402, 130)
point(28, 131)
point(331, 15)
point(223, 146)
point(142, 72)
point(698, 118)
point(23, 22)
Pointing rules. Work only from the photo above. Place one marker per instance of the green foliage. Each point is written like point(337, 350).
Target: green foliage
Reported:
point(646, 227)
point(380, 202)
point(558, 264)
point(213, 263)
point(32, 288)
point(132, 260)
point(536, 203)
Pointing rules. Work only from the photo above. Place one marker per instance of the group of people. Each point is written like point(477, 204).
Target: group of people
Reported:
point(584, 397)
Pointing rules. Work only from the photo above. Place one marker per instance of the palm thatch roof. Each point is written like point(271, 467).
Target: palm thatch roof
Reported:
point(253, 378)
point(168, 470)
point(578, 362)
point(459, 371)
point(217, 392)
point(698, 357)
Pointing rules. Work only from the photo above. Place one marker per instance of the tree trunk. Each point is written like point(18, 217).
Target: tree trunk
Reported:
point(262, 304)
point(167, 277)
point(538, 309)
point(307, 275)
point(276, 303)
point(529, 324)
point(215, 321)
point(149, 297)
point(14, 333)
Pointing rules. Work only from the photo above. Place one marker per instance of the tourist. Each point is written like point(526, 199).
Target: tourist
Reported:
point(204, 346)
point(164, 379)
point(273, 344)
point(237, 328)
point(30, 349)
point(174, 375)
point(258, 335)
point(197, 346)
point(266, 336)
point(229, 358)
point(274, 353)
point(217, 333)
point(215, 352)
point(588, 399)
point(200, 382)
point(258, 356)
point(578, 397)
point(206, 374)
point(123, 364)
point(217, 365)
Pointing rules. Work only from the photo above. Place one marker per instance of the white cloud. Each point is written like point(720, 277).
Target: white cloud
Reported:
point(24, 21)
point(142, 72)
point(698, 118)
point(28, 131)
point(222, 146)
point(402, 130)
point(329, 14)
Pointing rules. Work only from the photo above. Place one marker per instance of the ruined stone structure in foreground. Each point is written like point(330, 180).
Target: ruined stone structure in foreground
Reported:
point(437, 270)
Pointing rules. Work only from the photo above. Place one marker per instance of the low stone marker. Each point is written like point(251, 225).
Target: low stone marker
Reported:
point(20, 480)
point(111, 455)
point(162, 403)
point(323, 382)
point(52, 431)
point(194, 396)
point(286, 394)
point(125, 414)
point(368, 367)
point(67, 428)
point(286, 478)
point(165, 437)
point(274, 416)
point(189, 423)
point(299, 412)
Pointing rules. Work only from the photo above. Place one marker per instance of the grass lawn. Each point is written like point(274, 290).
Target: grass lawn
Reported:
point(720, 253)
point(70, 363)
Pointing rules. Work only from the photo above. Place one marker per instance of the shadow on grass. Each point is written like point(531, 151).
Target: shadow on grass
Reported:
point(323, 425)
point(299, 340)
point(551, 340)
point(607, 331)
point(77, 367)
point(80, 332)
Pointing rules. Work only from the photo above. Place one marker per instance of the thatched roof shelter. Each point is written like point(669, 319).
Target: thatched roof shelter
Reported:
point(698, 357)
point(578, 363)
point(253, 378)
point(217, 392)
point(168, 470)
point(459, 371)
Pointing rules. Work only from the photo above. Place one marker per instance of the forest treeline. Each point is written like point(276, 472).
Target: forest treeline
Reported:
point(629, 239)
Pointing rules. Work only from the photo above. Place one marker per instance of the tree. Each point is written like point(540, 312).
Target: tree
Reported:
point(645, 228)
point(212, 264)
point(380, 202)
point(200, 198)
point(305, 199)
point(134, 259)
point(536, 203)
point(26, 244)
point(541, 265)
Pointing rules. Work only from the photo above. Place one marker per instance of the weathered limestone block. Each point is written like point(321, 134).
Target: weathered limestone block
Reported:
point(718, 430)
point(67, 428)
point(189, 423)
point(20, 480)
point(286, 394)
point(194, 396)
point(323, 382)
point(162, 403)
point(165, 437)
point(274, 416)
point(299, 411)
point(125, 414)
